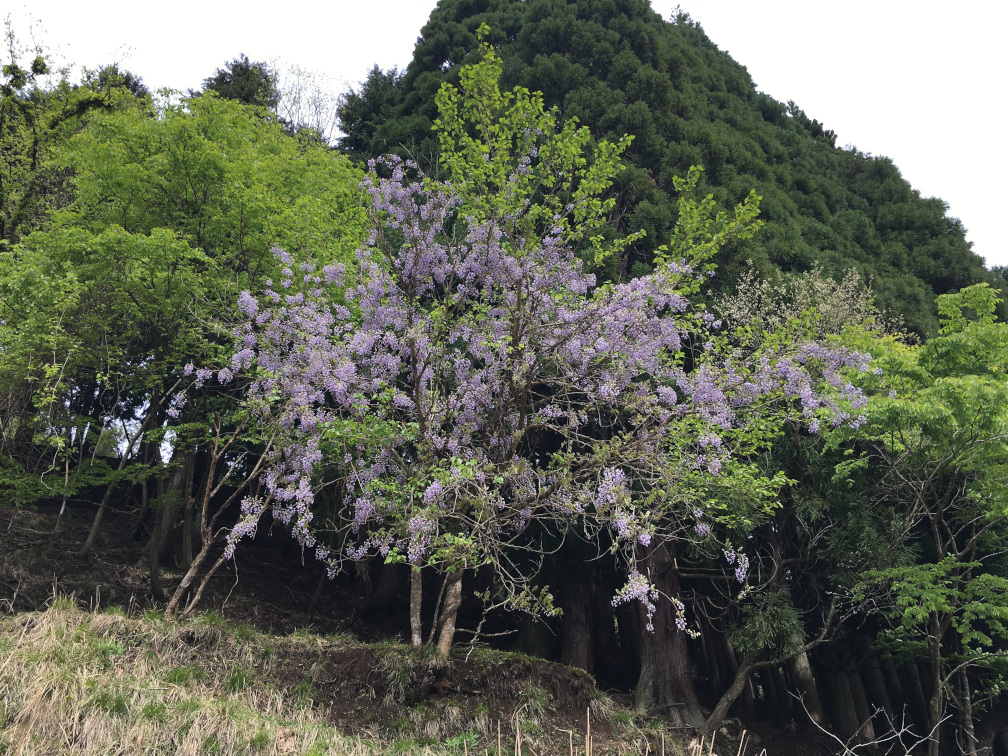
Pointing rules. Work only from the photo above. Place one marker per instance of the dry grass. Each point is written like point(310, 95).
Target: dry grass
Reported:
point(88, 684)
point(104, 684)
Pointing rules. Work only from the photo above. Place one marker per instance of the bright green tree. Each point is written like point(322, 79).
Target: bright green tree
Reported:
point(139, 275)
point(939, 426)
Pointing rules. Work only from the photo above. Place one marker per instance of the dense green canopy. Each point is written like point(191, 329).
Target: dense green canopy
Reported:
point(619, 68)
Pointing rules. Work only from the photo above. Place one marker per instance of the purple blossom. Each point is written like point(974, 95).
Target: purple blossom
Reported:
point(460, 346)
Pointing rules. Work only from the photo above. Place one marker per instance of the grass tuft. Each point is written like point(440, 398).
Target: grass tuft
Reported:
point(90, 684)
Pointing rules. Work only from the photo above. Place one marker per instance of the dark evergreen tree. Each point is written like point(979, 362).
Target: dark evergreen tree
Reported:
point(249, 83)
point(618, 67)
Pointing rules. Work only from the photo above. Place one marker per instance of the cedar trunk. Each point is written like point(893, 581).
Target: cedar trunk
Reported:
point(578, 640)
point(666, 676)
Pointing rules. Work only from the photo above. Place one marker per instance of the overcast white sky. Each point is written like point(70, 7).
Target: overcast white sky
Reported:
point(920, 81)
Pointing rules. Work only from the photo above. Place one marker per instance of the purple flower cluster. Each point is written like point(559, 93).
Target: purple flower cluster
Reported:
point(639, 588)
point(450, 345)
point(740, 561)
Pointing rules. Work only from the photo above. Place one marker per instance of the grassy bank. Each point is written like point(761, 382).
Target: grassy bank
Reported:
point(86, 683)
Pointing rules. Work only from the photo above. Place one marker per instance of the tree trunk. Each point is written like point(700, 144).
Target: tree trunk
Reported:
point(449, 613)
point(1000, 743)
point(785, 704)
point(769, 689)
point(416, 602)
point(187, 580)
point(842, 713)
point(666, 678)
point(381, 593)
point(866, 730)
point(729, 697)
point(805, 683)
point(914, 692)
point(123, 461)
point(990, 726)
point(162, 527)
point(967, 715)
point(578, 642)
point(936, 704)
point(712, 649)
point(875, 690)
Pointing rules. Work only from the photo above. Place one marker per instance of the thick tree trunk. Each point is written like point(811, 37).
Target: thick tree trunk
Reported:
point(769, 690)
point(382, 592)
point(535, 638)
point(713, 650)
point(578, 641)
point(666, 677)
point(785, 703)
point(874, 687)
point(914, 692)
point(162, 528)
point(738, 686)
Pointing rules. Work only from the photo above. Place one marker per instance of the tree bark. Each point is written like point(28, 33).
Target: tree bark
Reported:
point(914, 692)
point(842, 713)
point(866, 730)
point(805, 683)
point(578, 641)
point(937, 702)
point(123, 461)
point(449, 614)
point(729, 697)
point(416, 602)
point(769, 689)
point(666, 677)
point(163, 524)
point(785, 704)
point(967, 715)
point(875, 690)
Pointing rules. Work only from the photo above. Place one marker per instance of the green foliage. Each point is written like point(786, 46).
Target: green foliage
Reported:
point(245, 82)
point(619, 69)
point(509, 159)
point(171, 216)
point(938, 423)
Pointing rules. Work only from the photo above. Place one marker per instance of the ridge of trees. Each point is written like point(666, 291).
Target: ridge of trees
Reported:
point(619, 68)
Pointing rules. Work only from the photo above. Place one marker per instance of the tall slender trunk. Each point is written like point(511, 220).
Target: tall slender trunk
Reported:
point(416, 603)
point(967, 714)
point(914, 692)
point(666, 677)
point(937, 702)
point(738, 686)
point(866, 730)
point(123, 461)
point(875, 688)
point(805, 682)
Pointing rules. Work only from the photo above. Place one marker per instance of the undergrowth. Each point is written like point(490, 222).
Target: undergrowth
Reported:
point(108, 684)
